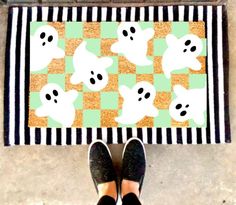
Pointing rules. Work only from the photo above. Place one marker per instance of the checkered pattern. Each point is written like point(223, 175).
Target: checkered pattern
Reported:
point(98, 109)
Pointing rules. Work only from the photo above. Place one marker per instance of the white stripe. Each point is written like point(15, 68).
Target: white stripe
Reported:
point(104, 134)
point(73, 136)
point(191, 13)
point(12, 77)
point(160, 13)
point(54, 136)
point(200, 13)
point(34, 14)
point(94, 134)
point(144, 130)
point(63, 136)
point(22, 76)
point(142, 14)
point(154, 135)
point(114, 135)
point(113, 14)
point(194, 135)
point(174, 135)
point(132, 15)
point(181, 13)
point(210, 73)
point(134, 132)
point(184, 135)
point(95, 14)
point(164, 135)
point(84, 13)
point(64, 13)
point(104, 13)
point(123, 13)
point(220, 74)
point(124, 134)
point(204, 137)
point(32, 136)
point(43, 135)
point(74, 14)
point(170, 13)
point(83, 135)
point(44, 13)
point(55, 13)
point(151, 13)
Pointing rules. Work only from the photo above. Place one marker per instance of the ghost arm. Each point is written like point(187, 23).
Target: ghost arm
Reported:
point(194, 64)
point(148, 33)
point(72, 95)
point(41, 111)
point(105, 62)
point(152, 111)
point(199, 118)
point(171, 39)
point(116, 47)
point(58, 53)
point(124, 91)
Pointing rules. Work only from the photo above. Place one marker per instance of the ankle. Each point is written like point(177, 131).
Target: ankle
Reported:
point(107, 189)
point(129, 186)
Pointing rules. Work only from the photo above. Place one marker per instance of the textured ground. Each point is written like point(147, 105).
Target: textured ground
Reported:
point(176, 175)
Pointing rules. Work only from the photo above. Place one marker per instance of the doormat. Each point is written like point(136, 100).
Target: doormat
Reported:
point(76, 74)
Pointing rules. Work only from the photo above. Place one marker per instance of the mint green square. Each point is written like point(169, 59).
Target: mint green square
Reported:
point(109, 100)
point(69, 64)
point(127, 79)
point(197, 81)
point(193, 124)
point(113, 69)
point(181, 71)
point(161, 83)
point(43, 71)
point(160, 46)
point(123, 125)
point(163, 119)
point(145, 25)
point(91, 118)
point(145, 69)
point(74, 29)
point(53, 123)
point(85, 88)
point(204, 48)
point(35, 25)
point(61, 44)
point(109, 29)
point(180, 29)
point(79, 101)
point(35, 101)
point(94, 45)
point(58, 79)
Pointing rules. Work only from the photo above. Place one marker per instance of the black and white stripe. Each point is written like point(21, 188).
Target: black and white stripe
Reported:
point(16, 130)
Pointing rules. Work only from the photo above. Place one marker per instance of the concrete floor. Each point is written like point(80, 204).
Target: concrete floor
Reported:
point(176, 175)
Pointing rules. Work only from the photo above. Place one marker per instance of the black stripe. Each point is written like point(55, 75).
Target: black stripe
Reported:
point(89, 14)
point(50, 13)
point(109, 135)
point(137, 13)
point(165, 13)
point(79, 13)
point(68, 136)
point(168, 135)
point(39, 13)
point(195, 13)
point(215, 73)
point(146, 13)
point(27, 76)
point(78, 136)
point(226, 73)
point(140, 133)
point(189, 135)
point(159, 136)
point(37, 135)
point(69, 15)
point(119, 135)
point(186, 13)
point(89, 135)
point(99, 15)
point(155, 13)
point(60, 13)
point(176, 13)
point(17, 76)
point(129, 133)
point(7, 79)
point(58, 136)
point(49, 136)
point(149, 135)
point(179, 136)
point(99, 133)
point(199, 135)
point(118, 14)
point(128, 13)
point(109, 13)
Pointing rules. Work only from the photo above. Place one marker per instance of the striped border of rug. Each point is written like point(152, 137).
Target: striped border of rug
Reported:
point(16, 130)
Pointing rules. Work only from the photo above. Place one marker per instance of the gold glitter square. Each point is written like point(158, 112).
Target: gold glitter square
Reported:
point(157, 65)
point(106, 47)
point(37, 81)
point(57, 66)
point(69, 86)
point(202, 60)
point(179, 124)
point(197, 28)
point(150, 48)
point(163, 100)
point(112, 83)
point(144, 77)
point(120, 102)
point(108, 118)
point(35, 121)
point(146, 122)
point(91, 100)
point(60, 27)
point(71, 45)
point(162, 29)
point(180, 79)
point(92, 30)
point(125, 66)
point(78, 119)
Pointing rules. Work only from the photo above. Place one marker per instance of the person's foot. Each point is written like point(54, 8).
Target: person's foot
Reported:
point(133, 167)
point(102, 170)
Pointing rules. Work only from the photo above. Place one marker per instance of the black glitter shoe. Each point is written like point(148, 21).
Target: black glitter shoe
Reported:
point(134, 161)
point(100, 164)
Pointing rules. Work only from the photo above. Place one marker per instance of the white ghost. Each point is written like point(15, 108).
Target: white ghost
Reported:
point(43, 48)
point(133, 43)
point(90, 69)
point(57, 104)
point(138, 103)
point(181, 53)
point(189, 104)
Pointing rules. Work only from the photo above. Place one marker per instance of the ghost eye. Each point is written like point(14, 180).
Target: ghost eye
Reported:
point(125, 33)
point(140, 90)
point(132, 29)
point(42, 35)
point(147, 95)
point(48, 97)
point(193, 49)
point(55, 92)
point(99, 76)
point(50, 38)
point(187, 42)
point(178, 106)
point(183, 113)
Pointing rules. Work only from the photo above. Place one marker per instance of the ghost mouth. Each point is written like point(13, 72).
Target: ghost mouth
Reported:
point(131, 38)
